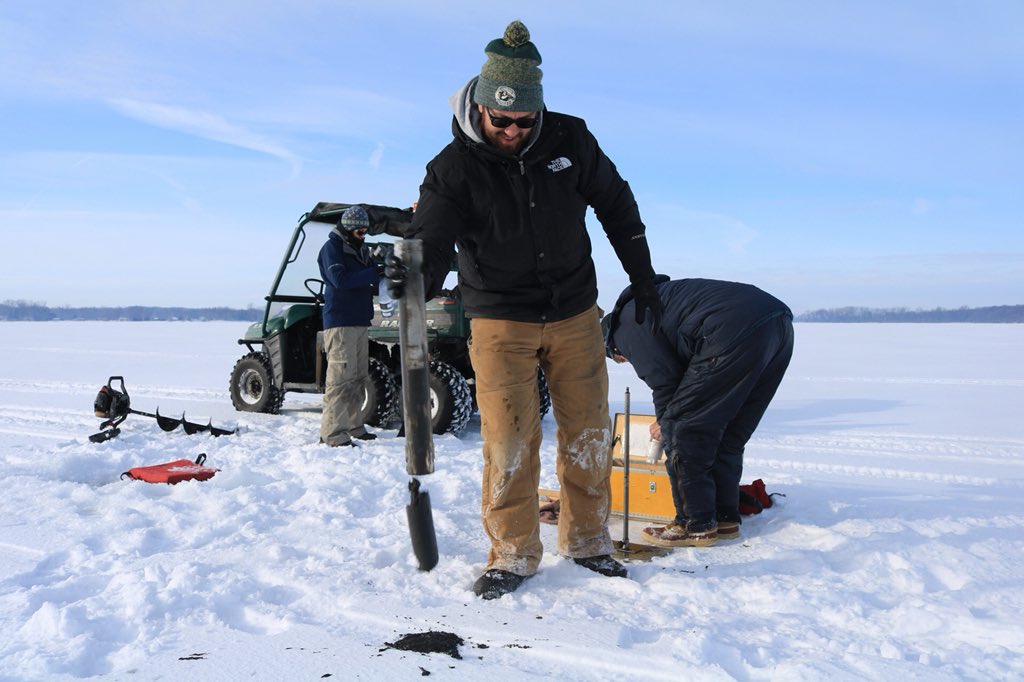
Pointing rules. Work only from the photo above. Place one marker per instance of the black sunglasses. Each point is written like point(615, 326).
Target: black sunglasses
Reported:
point(524, 122)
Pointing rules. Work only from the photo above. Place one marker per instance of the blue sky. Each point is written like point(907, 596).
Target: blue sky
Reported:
point(834, 154)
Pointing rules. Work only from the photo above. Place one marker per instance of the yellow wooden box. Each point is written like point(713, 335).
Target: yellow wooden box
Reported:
point(650, 495)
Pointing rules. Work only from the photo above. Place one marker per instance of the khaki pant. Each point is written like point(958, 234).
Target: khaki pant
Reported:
point(505, 356)
point(348, 365)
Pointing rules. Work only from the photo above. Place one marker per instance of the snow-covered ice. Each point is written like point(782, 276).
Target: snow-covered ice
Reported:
point(897, 551)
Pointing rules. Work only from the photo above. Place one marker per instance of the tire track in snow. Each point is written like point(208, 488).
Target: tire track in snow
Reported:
point(912, 380)
point(910, 446)
point(134, 390)
point(65, 423)
point(914, 457)
point(854, 471)
point(54, 423)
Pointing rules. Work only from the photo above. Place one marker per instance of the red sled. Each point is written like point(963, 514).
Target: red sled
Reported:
point(173, 472)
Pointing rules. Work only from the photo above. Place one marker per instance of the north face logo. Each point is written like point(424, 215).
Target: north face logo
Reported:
point(559, 164)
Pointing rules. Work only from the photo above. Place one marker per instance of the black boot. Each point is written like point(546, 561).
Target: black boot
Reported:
point(605, 565)
point(497, 583)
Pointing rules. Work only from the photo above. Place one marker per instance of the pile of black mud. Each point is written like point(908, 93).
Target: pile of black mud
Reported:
point(429, 643)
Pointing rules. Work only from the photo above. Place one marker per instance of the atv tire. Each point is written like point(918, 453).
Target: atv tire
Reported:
point(380, 402)
point(543, 393)
point(252, 385)
point(451, 404)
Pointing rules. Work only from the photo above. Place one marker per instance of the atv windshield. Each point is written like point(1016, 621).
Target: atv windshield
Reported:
point(300, 275)
point(301, 263)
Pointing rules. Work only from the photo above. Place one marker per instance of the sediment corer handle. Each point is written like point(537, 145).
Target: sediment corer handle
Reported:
point(412, 334)
point(419, 442)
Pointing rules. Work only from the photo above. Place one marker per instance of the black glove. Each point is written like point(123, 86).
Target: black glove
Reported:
point(645, 297)
point(396, 272)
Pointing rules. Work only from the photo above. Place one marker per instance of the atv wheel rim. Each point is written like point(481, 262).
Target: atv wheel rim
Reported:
point(434, 405)
point(252, 387)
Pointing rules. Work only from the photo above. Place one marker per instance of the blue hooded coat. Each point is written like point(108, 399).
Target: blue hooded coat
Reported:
point(350, 280)
point(712, 367)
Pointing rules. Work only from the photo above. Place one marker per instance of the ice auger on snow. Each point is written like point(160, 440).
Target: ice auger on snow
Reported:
point(114, 406)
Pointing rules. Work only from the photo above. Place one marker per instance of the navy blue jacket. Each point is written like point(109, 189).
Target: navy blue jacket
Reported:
point(702, 317)
point(350, 280)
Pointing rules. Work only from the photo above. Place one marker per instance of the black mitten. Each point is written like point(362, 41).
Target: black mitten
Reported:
point(645, 297)
point(397, 273)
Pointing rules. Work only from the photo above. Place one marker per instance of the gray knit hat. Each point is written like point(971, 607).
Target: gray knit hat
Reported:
point(510, 79)
point(354, 218)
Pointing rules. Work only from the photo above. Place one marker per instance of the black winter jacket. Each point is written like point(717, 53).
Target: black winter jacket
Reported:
point(523, 249)
point(702, 317)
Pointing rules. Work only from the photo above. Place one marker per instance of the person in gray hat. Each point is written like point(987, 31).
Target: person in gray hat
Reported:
point(350, 281)
point(511, 191)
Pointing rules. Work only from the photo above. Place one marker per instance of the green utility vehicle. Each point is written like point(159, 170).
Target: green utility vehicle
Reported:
point(286, 347)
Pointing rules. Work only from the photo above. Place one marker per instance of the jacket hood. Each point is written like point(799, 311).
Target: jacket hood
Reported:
point(467, 116)
point(611, 321)
point(351, 245)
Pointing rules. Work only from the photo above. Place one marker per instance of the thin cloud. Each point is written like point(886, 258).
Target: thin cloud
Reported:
point(921, 207)
point(728, 231)
point(205, 125)
point(377, 156)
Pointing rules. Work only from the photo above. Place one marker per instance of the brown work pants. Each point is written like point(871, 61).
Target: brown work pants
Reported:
point(505, 356)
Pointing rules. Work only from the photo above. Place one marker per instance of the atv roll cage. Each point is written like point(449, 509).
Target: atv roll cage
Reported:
point(383, 220)
point(286, 346)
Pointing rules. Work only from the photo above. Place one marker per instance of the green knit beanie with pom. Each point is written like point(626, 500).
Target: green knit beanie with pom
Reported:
point(510, 79)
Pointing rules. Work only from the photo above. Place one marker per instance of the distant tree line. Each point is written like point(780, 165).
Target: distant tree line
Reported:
point(32, 311)
point(998, 313)
point(39, 312)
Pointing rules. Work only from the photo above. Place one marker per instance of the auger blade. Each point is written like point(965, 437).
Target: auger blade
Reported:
point(166, 423)
point(192, 427)
point(214, 431)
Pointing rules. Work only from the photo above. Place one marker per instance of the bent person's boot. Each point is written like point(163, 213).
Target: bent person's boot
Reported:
point(603, 564)
point(674, 535)
point(497, 583)
point(728, 530)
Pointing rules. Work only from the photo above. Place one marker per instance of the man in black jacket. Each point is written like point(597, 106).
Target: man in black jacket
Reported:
point(713, 368)
point(511, 191)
